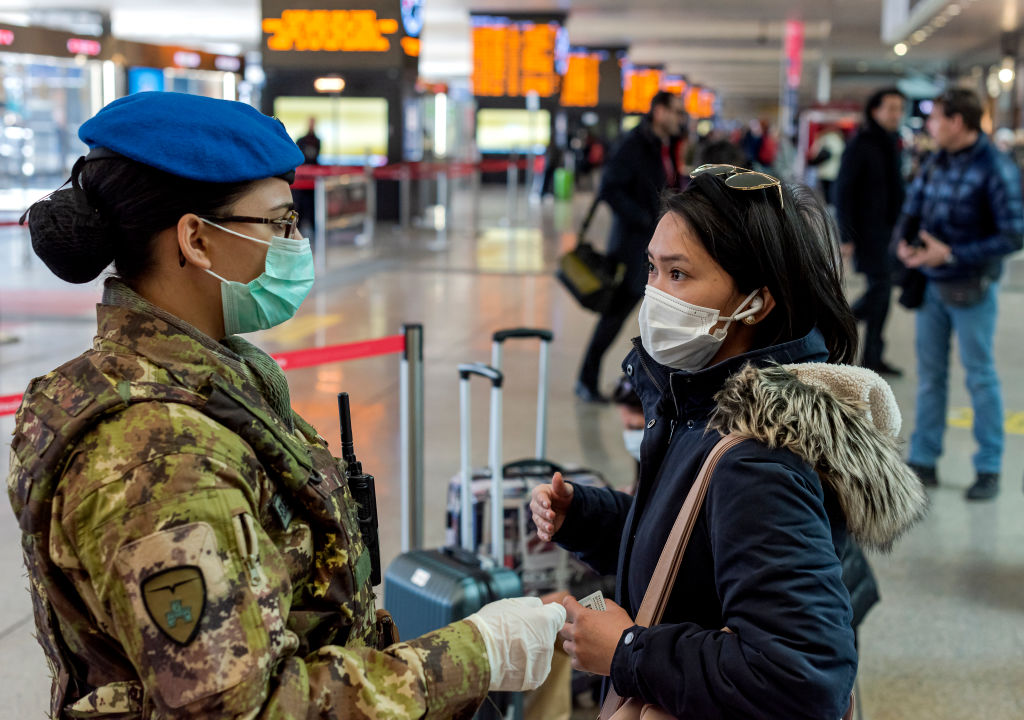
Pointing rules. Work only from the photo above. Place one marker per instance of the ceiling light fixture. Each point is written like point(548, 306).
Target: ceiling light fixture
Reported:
point(939, 20)
point(329, 84)
point(900, 49)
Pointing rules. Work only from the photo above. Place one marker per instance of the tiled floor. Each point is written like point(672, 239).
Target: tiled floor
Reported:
point(947, 641)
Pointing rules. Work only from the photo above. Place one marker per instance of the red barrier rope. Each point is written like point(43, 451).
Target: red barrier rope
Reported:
point(340, 353)
point(292, 360)
point(305, 175)
point(9, 404)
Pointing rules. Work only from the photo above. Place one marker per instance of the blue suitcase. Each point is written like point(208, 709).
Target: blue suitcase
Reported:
point(427, 589)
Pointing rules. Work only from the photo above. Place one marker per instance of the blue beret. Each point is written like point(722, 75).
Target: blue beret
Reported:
point(194, 137)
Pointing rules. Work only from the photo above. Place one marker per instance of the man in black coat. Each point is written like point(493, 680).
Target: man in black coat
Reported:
point(868, 195)
point(634, 177)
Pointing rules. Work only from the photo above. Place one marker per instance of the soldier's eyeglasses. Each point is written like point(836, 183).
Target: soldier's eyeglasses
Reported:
point(739, 178)
point(287, 222)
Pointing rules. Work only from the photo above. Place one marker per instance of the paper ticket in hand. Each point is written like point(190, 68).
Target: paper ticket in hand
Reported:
point(594, 601)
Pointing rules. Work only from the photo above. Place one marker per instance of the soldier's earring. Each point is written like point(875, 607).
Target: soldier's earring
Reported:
point(181, 258)
point(750, 320)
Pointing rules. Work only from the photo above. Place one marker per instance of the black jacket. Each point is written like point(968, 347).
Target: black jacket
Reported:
point(763, 559)
point(631, 184)
point(869, 194)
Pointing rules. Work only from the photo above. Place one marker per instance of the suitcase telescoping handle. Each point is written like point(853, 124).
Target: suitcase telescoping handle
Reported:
point(466, 372)
point(545, 337)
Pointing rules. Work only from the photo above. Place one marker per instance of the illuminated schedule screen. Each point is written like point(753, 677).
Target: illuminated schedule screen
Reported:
point(340, 34)
point(516, 55)
point(582, 82)
point(674, 84)
point(699, 102)
point(639, 86)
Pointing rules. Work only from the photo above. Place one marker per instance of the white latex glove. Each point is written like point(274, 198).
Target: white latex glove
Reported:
point(519, 634)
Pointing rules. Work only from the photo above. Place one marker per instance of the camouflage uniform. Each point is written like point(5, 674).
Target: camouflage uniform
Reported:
point(192, 546)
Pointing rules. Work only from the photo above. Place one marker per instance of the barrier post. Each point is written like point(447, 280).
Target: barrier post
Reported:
point(423, 173)
point(320, 222)
point(404, 197)
point(412, 436)
point(476, 181)
point(442, 190)
point(449, 186)
point(444, 203)
point(528, 173)
point(512, 179)
point(370, 223)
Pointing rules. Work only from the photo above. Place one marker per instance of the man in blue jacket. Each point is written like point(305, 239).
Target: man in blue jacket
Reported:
point(962, 216)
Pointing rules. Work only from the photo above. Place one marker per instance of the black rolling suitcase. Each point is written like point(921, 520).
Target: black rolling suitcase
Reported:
point(427, 589)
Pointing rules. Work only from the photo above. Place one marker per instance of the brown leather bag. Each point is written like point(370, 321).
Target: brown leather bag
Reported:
point(665, 572)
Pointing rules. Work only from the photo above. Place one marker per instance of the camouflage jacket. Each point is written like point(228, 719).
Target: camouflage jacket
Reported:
point(192, 546)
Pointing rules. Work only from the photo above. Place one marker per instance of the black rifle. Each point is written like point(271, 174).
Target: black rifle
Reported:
point(362, 488)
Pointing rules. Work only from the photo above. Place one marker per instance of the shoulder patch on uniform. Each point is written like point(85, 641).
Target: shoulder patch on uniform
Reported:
point(190, 615)
point(175, 599)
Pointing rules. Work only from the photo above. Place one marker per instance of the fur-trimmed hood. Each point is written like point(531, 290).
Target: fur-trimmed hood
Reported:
point(843, 421)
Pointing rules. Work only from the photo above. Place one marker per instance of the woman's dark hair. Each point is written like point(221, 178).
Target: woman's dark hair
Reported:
point(962, 102)
point(111, 213)
point(793, 251)
point(878, 97)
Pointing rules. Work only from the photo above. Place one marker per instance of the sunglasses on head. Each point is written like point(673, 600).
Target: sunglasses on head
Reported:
point(741, 178)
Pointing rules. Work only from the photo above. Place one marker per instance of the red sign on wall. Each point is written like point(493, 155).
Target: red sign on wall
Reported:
point(80, 46)
point(794, 52)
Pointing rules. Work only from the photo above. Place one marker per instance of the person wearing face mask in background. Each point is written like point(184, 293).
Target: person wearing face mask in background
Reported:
point(631, 411)
point(743, 330)
point(191, 544)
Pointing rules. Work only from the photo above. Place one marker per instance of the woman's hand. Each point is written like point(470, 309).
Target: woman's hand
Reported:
point(549, 505)
point(591, 636)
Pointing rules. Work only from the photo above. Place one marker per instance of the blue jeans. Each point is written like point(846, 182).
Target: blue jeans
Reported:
point(975, 329)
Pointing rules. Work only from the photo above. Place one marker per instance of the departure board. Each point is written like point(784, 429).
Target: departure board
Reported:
point(639, 85)
point(699, 102)
point(674, 84)
point(340, 34)
point(582, 82)
point(593, 77)
point(515, 55)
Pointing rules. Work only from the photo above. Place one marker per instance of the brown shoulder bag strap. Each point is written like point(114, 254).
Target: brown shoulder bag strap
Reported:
point(667, 569)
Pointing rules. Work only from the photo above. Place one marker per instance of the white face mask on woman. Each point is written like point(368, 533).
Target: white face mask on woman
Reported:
point(677, 334)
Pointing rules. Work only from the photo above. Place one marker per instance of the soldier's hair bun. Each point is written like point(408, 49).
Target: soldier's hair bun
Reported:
point(71, 237)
